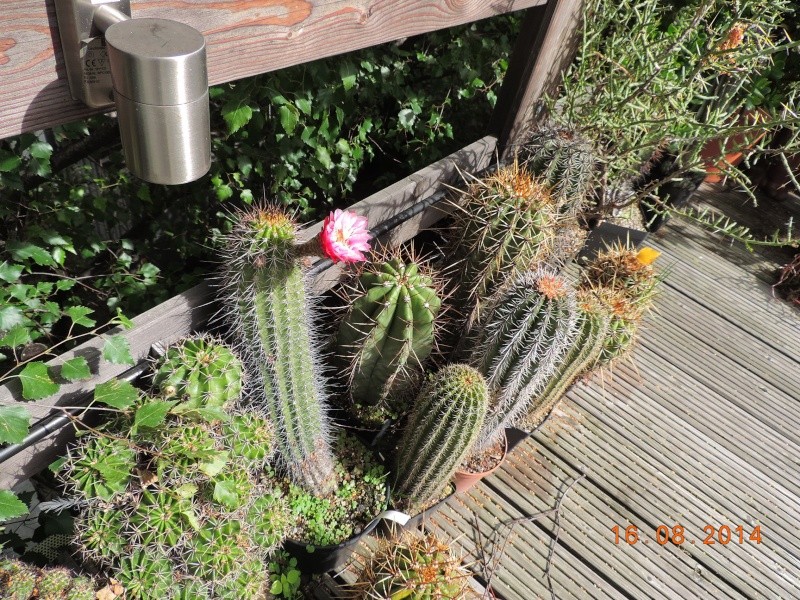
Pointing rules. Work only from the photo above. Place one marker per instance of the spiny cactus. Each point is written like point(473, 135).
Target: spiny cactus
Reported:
point(389, 329)
point(272, 317)
point(20, 581)
point(444, 423)
point(503, 224)
point(564, 159)
point(200, 372)
point(529, 327)
point(624, 281)
point(195, 486)
point(413, 567)
point(581, 357)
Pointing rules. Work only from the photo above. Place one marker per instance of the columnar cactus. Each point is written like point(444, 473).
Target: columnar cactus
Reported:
point(504, 224)
point(581, 357)
point(389, 329)
point(565, 160)
point(444, 424)
point(272, 317)
point(529, 327)
point(200, 372)
point(413, 567)
point(19, 581)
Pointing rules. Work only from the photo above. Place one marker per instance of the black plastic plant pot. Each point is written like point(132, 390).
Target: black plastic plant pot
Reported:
point(319, 559)
point(394, 520)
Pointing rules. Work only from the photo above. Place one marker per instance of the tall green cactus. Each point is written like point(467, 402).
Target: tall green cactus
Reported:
point(389, 329)
point(504, 224)
point(565, 160)
point(582, 356)
point(529, 327)
point(444, 423)
point(272, 317)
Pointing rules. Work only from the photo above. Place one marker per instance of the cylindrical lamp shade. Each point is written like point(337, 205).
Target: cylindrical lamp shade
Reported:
point(158, 70)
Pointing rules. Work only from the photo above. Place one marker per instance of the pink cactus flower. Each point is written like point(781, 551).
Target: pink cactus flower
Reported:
point(345, 236)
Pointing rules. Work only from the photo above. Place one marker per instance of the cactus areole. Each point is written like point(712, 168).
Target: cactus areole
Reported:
point(272, 318)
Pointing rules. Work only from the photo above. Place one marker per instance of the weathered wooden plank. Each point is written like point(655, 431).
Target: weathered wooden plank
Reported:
point(680, 480)
point(470, 519)
point(244, 38)
point(588, 514)
point(190, 311)
point(546, 46)
point(711, 363)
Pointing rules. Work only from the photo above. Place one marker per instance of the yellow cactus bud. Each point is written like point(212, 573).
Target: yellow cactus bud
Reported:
point(647, 256)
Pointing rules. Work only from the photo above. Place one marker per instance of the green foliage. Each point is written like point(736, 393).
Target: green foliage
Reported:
point(528, 328)
point(655, 75)
point(14, 424)
point(444, 424)
point(284, 577)
point(11, 507)
point(504, 224)
point(270, 314)
point(411, 566)
point(389, 329)
point(20, 581)
point(199, 372)
point(359, 495)
point(309, 131)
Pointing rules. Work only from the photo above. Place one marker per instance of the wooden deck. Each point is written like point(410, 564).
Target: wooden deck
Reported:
point(701, 429)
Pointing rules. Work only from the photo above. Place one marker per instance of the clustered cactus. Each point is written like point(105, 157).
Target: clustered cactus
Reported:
point(411, 566)
point(179, 506)
point(389, 330)
point(444, 424)
point(271, 317)
point(20, 581)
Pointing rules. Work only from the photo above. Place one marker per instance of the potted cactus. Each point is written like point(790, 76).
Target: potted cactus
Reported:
point(411, 566)
point(20, 581)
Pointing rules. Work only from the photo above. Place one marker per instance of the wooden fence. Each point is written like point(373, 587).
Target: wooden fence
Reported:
point(246, 37)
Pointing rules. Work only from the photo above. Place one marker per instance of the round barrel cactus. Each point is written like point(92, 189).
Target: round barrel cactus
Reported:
point(200, 372)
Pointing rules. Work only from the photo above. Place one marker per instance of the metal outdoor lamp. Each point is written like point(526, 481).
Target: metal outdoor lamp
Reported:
point(154, 72)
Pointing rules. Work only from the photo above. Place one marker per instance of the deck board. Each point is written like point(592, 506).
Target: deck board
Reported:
point(700, 427)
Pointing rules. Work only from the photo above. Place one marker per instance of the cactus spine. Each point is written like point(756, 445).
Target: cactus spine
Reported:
point(200, 371)
point(19, 581)
point(389, 329)
point(529, 327)
point(444, 423)
point(504, 225)
point(565, 160)
point(581, 357)
point(413, 567)
point(272, 317)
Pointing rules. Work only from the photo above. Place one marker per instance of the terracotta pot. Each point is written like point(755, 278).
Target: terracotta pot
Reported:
point(737, 143)
point(465, 480)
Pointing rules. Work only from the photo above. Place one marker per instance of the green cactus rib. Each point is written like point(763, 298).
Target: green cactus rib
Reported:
point(287, 368)
point(389, 329)
point(505, 225)
point(528, 329)
point(20, 581)
point(201, 371)
point(621, 336)
point(565, 160)
point(444, 423)
point(585, 353)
